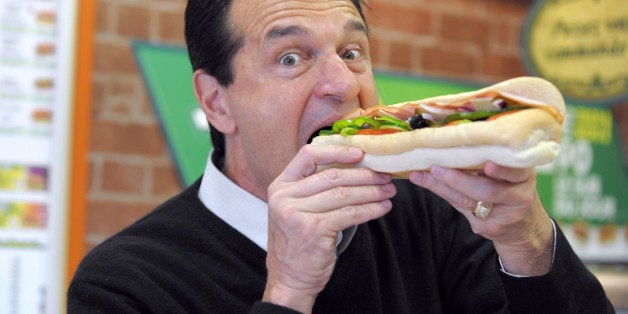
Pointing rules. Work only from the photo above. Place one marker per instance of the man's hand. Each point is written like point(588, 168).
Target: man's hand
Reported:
point(518, 225)
point(307, 210)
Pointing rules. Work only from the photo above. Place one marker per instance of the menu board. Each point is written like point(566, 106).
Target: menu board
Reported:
point(580, 45)
point(37, 44)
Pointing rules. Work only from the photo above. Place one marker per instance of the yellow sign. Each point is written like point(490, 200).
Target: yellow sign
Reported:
point(581, 46)
point(594, 125)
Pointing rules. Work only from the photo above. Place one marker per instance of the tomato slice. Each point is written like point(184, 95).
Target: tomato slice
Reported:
point(376, 132)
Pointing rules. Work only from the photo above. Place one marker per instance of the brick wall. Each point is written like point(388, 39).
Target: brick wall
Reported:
point(131, 170)
point(454, 39)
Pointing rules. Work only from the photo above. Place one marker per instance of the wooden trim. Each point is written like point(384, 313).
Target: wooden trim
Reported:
point(79, 165)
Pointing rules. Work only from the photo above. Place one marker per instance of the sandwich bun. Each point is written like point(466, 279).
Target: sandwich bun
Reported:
point(525, 138)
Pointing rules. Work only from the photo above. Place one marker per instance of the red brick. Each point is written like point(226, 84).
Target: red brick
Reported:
point(119, 108)
point(123, 178)
point(465, 29)
point(112, 57)
point(503, 66)
point(98, 95)
point(146, 107)
point(508, 8)
point(105, 218)
point(103, 18)
point(134, 21)
point(171, 26)
point(165, 181)
point(400, 18)
point(469, 7)
point(505, 34)
point(375, 47)
point(448, 60)
point(127, 138)
point(92, 178)
point(123, 87)
point(401, 55)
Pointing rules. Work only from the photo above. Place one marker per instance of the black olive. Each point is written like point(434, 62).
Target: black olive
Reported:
point(417, 121)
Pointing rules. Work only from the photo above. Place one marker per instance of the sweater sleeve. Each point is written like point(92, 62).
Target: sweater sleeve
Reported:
point(270, 308)
point(471, 281)
point(569, 287)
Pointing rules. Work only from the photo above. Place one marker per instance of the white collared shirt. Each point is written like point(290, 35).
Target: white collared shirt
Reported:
point(234, 205)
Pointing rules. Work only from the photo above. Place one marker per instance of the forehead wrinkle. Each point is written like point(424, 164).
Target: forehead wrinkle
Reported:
point(246, 15)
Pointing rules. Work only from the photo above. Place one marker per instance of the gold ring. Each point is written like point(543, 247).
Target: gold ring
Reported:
point(482, 209)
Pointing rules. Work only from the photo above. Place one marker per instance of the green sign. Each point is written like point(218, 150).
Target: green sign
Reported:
point(168, 76)
point(585, 189)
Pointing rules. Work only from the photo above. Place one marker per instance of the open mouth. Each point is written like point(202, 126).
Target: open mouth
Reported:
point(315, 134)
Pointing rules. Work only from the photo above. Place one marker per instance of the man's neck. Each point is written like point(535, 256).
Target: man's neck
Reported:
point(236, 170)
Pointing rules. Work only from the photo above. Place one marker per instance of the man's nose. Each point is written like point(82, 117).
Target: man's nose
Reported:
point(336, 80)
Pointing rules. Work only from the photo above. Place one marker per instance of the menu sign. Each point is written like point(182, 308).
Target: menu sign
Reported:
point(36, 71)
point(588, 185)
point(581, 46)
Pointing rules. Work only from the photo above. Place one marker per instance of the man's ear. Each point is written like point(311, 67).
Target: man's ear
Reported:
point(210, 95)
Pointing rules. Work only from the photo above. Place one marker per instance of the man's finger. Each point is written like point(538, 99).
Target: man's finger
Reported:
point(334, 177)
point(512, 175)
point(456, 198)
point(348, 216)
point(310, 156)
point(343, 196)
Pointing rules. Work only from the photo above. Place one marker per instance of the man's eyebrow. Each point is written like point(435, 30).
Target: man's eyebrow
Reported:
point(297, 30)
point(356, 25)
point(285, 31)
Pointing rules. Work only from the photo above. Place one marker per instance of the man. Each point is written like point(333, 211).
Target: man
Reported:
point(263, 231)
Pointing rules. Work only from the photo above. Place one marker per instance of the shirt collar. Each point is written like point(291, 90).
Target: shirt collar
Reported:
point(234, 205)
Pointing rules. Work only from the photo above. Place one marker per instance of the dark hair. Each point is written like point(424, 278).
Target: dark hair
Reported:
point(212, 44)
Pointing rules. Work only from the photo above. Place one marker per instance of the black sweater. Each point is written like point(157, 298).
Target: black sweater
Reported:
point(422, 257)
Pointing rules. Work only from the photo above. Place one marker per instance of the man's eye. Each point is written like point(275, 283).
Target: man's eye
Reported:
point(351, 55)
point(290, 60)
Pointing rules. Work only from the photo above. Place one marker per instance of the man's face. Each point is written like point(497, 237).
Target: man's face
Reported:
point(303, 65)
